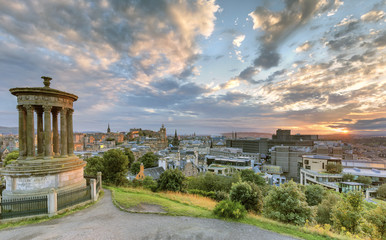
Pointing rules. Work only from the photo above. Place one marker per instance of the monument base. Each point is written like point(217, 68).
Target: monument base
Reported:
point(38, 176)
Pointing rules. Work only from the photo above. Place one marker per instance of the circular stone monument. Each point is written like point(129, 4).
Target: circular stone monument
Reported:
point(46, 159)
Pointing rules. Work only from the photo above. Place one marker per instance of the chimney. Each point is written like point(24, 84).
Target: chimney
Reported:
point(141, 168)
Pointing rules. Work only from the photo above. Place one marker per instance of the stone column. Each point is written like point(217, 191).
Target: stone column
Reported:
point(63, 133)
point(93, 190)
point(70, 133)
point(30, 132)
point(47, 132)
point(39, 130)
point(52, 202)
point(22, 140)
point(55, 138)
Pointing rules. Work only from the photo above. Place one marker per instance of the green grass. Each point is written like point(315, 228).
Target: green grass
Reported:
point(126, 199)
point(130, 197)
point(46, 218)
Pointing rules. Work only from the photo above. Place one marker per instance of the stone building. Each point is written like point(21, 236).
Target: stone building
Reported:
point(50, 163)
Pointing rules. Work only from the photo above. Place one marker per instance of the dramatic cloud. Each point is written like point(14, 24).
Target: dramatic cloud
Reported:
point(373, 16)
point(304, 47)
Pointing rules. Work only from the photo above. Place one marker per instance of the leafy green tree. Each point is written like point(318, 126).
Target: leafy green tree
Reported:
point(323, 212)
point(381, 192)
point(171, 180)
point(347, 177)
point(149, 160)
point(12, 156)
point(365, 180)
point(135, 167)
point(287, 203)
point(229, 209)
point(334, 168)
point(377, 217)
point(130, 156)
point(248, 194)
point(94, 165)
point(314, 194)
point(248, 175)
point(348, 212)
point(115, 166)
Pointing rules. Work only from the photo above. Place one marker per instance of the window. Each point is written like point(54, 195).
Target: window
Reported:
point(323, 165)
point(306, 162)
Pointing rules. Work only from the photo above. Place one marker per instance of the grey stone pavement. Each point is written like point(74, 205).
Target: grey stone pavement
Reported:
point(104, 221)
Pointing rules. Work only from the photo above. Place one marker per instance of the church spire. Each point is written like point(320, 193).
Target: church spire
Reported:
point(108, 128)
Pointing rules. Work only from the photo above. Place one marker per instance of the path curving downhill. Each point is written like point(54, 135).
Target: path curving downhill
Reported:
point(104, 221)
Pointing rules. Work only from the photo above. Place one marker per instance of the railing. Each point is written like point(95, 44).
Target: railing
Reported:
point(20, 207)
point(73, 197)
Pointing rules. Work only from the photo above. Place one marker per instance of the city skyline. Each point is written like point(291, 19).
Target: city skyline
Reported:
point(315, 67)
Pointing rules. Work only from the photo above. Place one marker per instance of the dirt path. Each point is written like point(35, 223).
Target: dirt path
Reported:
point(105, 221)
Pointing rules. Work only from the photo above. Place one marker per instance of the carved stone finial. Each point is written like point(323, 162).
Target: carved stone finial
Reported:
point(46, 81)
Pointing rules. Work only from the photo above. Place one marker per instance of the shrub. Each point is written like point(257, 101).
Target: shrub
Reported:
point(334, 168)
point(221, 195)
point(210, 194)
point(314, 194)
point(171, 180)
point(348, 212)
point(323, 212)
point(12, 156)
point(248, 194)
point(149, 183)
point(229, 209)
point(248, 175)
point(377, 217)
point(347, 177)
point(287, 203)
point(381, 192)
point(211, 182)
point(365, 180)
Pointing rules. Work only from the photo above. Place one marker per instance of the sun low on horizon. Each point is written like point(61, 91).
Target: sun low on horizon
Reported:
point(203, 66)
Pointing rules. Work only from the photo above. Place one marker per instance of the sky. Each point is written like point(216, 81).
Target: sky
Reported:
point(204, 67)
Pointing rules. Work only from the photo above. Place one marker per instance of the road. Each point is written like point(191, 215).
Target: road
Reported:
point(104, 221)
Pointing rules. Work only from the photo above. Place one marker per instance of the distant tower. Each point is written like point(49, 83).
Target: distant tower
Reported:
point(235, 135)
point(175, 142)
point(162, 134)
point(108, 128)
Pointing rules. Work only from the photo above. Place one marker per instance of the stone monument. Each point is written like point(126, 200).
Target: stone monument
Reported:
point(51, 163)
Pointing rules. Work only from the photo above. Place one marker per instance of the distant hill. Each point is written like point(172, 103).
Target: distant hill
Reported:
point(249, 135)
point(9, 130)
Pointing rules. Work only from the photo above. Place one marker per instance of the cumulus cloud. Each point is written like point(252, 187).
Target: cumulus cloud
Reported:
point(238, 40)
point(303, 47)
point(373, 16)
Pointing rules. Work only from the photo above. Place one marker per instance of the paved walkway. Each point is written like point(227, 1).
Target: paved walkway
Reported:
point(104, 221)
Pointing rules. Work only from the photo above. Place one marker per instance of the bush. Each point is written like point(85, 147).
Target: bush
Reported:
point(334, 168)
point(210, 194)
point(381, 192)
point(365, 180)
point(377, 217)
point(287, 203)
point(248, 194)
point(229, 209)
point(347, 177)
point(211, 182)
point(314, 194)
point(323, 212)
point(12, 156)
point(248, 175)
point(149, 183)
point(348, 212)
point(220, 195)
point(171, 180)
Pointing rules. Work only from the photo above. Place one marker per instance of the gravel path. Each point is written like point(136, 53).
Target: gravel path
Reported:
point(104, 221)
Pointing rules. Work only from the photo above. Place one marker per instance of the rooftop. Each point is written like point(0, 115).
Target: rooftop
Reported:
point(321, 157)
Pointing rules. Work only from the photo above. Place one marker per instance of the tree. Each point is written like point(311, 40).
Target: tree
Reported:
point(248, 175)
point(94, 165)
point(12, 156)
point(347, 177)
point(348, 212)
point(115, 166)
point(365, 180)
point(248, 194)
point(130, 156)
point(323, 212)
point(334, 168)
point(135, 167)
point(171, 180)
point(149, 160)
point(381, 192)
point(377, 217)
point(287, 203)
point(314, 194)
